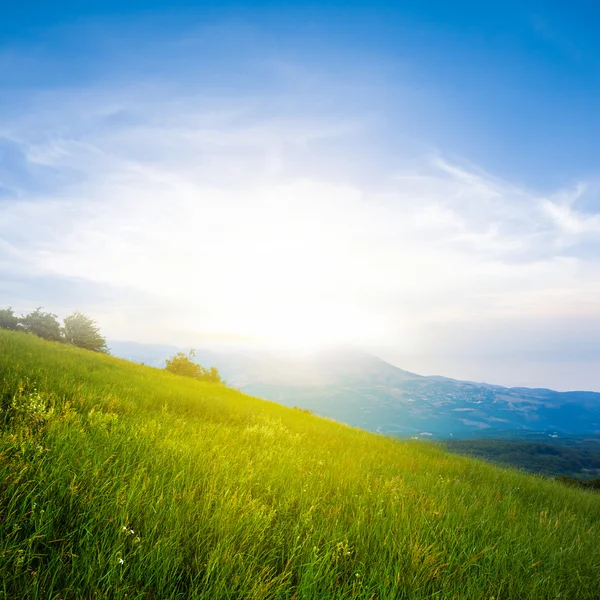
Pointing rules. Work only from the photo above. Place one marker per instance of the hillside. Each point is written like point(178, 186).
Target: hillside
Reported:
point(121, 481)
point(367, 392)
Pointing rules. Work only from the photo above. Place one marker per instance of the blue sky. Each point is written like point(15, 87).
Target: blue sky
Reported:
point(421, 179)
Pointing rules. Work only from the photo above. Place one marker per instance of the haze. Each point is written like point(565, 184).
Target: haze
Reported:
point(419, 181)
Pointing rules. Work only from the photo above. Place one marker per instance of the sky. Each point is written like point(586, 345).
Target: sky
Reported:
point(419, 179)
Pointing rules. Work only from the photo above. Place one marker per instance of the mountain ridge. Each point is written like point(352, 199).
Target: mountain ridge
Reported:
point(365, 391)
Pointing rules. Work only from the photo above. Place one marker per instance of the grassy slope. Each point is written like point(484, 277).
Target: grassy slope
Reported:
point(233, 497)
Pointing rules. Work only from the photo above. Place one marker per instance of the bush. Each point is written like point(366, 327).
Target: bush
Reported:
point(182, 364)
point(589, 484)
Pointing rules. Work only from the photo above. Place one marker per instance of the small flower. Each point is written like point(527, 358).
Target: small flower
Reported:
point(121, 561)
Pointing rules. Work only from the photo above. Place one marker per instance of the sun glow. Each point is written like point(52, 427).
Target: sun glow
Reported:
point(306, 328)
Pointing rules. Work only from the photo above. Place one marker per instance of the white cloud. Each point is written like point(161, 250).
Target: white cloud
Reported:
point(572, 223)
point(211, 209)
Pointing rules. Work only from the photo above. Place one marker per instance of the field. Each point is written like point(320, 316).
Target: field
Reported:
point(124, 481)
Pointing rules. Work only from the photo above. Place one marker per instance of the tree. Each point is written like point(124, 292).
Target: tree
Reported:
point(44, 325)
point(182, 364)
point(83, 332)
point(8, 319)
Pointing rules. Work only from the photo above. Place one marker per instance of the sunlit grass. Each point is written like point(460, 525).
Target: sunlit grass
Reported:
point(123, 481)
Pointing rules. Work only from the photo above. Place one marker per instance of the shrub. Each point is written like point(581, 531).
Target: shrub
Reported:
point(182, 364)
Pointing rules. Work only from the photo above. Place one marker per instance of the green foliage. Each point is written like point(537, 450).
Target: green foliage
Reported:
point(590, 484)
point(580, 459)
point(83, 332)
point(8, 320)
point(42, 324)
point(28, 409)
point(79, 329)
point(212, 375)
point(182, 364)
point(126, 482)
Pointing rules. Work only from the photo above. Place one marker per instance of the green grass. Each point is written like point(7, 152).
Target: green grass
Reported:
point(123, 481)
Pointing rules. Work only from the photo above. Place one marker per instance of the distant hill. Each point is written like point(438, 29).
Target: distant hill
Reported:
point(367, 392)
point(554, 457)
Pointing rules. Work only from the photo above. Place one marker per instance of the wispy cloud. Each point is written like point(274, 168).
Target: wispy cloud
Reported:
point(266, 197)
point(215, 207)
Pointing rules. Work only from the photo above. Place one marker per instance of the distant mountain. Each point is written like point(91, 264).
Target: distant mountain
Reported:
point(367, 392)
point(153, 355)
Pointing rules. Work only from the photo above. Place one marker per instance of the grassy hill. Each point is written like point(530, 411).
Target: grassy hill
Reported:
point(123, 481)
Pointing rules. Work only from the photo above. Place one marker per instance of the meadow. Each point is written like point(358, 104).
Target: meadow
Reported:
point(124, 481)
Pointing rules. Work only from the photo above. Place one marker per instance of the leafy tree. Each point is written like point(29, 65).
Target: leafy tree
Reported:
point(8, 319)
point(182, 364)
point(42, 324)
point(83, 332)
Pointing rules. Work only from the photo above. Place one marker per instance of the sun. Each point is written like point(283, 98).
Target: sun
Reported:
point(305, 328)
